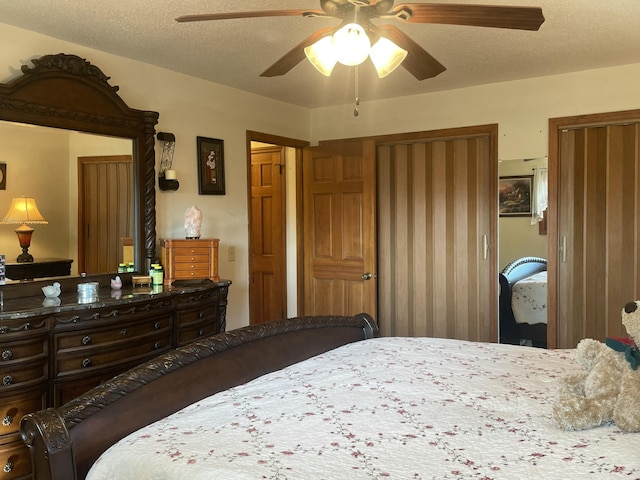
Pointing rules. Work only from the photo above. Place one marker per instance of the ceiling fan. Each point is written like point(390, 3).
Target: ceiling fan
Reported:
point(415, 59)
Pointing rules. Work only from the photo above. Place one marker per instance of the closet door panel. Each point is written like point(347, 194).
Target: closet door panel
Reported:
point(597, 230)
point(435, 202)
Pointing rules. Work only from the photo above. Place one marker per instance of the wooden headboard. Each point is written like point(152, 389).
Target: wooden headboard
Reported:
point(64, 442)
point(517, 270)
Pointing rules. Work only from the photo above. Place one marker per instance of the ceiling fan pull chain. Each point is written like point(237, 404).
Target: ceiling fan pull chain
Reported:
point(355, 110)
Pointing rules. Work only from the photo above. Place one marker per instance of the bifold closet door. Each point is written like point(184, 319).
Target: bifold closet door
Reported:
point(598, 229)
point(437, 272)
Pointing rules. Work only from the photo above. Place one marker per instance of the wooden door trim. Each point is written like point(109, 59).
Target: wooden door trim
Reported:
point(555, 126)
point(299, 145)
point(440, 134)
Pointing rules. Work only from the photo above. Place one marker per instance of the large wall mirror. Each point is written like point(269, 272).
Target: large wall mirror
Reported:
point(86, 119)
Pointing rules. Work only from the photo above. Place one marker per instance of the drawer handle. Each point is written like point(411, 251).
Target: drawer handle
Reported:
point(157, 345)
point(156, 325)
point(7, 420)
point(7, 355)
point(7, 380)
point(86, 340)
point(201, 314)
point(124, 331)
point(200, 332)
point(8, 468)
point(86, 362)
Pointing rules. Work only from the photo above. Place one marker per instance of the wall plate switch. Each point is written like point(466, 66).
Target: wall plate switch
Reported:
point(232, 253)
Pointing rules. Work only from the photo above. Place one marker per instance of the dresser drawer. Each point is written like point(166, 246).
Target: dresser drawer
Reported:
point(205, 313)
point(23, 349)
point(193, 271)
point(194, 332)
point(23, 374)
point(115, 333)
point(15, 460)
point(89, 359)
point(14, 407)
point(191, 257)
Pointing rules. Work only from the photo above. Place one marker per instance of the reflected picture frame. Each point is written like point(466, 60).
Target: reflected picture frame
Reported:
point(210, 166)
point(514, 194)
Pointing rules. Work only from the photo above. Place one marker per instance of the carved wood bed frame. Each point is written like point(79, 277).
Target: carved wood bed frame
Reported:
point(64, 442)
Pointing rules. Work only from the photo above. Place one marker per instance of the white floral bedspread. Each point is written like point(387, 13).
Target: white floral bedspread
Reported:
point(389, 408)
point(529, 299)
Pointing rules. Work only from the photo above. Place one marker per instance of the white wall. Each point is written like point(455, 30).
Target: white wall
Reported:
point(37, 167)
point(188, 107)
point(521, 109)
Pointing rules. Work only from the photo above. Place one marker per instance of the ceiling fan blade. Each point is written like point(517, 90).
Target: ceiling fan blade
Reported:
point(255, 14)
point(520, 18)
point(294, 56)
point(418, 62)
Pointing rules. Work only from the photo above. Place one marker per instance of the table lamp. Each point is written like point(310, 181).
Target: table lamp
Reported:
point(23, 211)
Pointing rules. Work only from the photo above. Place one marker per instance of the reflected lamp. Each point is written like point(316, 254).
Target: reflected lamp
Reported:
point(24, 211)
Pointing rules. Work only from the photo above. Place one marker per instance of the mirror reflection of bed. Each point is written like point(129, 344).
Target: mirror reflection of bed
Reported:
point(523, 302)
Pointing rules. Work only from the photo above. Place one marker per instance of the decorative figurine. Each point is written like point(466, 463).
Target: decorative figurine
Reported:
point(51, 291)
point(192, 222)
point(116, 283)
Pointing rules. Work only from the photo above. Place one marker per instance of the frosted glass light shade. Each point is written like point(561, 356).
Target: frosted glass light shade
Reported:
point(322, 56)
point(351, 44)
point(386, 56)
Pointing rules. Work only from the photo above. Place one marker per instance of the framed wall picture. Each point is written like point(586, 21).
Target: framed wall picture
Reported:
point(3, 176)
point(515, 196)
point(210, 166)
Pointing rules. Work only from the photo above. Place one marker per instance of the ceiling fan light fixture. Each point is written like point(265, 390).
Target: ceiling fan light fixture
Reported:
point(386, 56)
point(322, 56)
point(351, 44)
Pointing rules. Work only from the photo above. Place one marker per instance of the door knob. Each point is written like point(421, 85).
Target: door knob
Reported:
point(366, 276)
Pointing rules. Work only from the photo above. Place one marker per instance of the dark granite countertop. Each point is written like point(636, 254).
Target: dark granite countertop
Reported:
point(68, 301)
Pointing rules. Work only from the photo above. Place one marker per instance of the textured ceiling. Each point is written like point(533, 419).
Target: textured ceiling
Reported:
point(577, 35)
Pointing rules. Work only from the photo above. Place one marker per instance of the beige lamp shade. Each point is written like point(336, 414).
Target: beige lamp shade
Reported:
point(24, 210)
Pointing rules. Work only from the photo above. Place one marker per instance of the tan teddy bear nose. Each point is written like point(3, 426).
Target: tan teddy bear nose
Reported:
point(630, 307)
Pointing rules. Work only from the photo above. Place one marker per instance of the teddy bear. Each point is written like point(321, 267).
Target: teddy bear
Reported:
point(609, 388)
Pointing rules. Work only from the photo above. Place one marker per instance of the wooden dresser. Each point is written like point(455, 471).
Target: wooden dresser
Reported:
point(190, 259)
point(49, 355)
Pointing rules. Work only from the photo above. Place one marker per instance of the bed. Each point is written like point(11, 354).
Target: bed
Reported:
point(326, 398)
point(522, 302)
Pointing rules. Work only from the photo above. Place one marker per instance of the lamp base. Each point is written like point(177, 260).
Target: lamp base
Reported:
point(24, 233)
point(25, 256)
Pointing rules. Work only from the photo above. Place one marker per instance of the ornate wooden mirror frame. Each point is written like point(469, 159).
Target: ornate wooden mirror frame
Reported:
point(66, 91)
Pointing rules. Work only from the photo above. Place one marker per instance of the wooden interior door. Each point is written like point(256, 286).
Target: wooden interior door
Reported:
point(339, 228)
point(105, 211)
point(437, 218)
point(594, 165)
point(267, 246)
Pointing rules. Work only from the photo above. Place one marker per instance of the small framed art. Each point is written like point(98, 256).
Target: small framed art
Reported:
point(515, 196)
point(210, 166)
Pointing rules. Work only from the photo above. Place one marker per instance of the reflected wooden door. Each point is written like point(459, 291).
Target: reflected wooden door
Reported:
point(339, 228)
point(267, 287)
point(105, 211)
